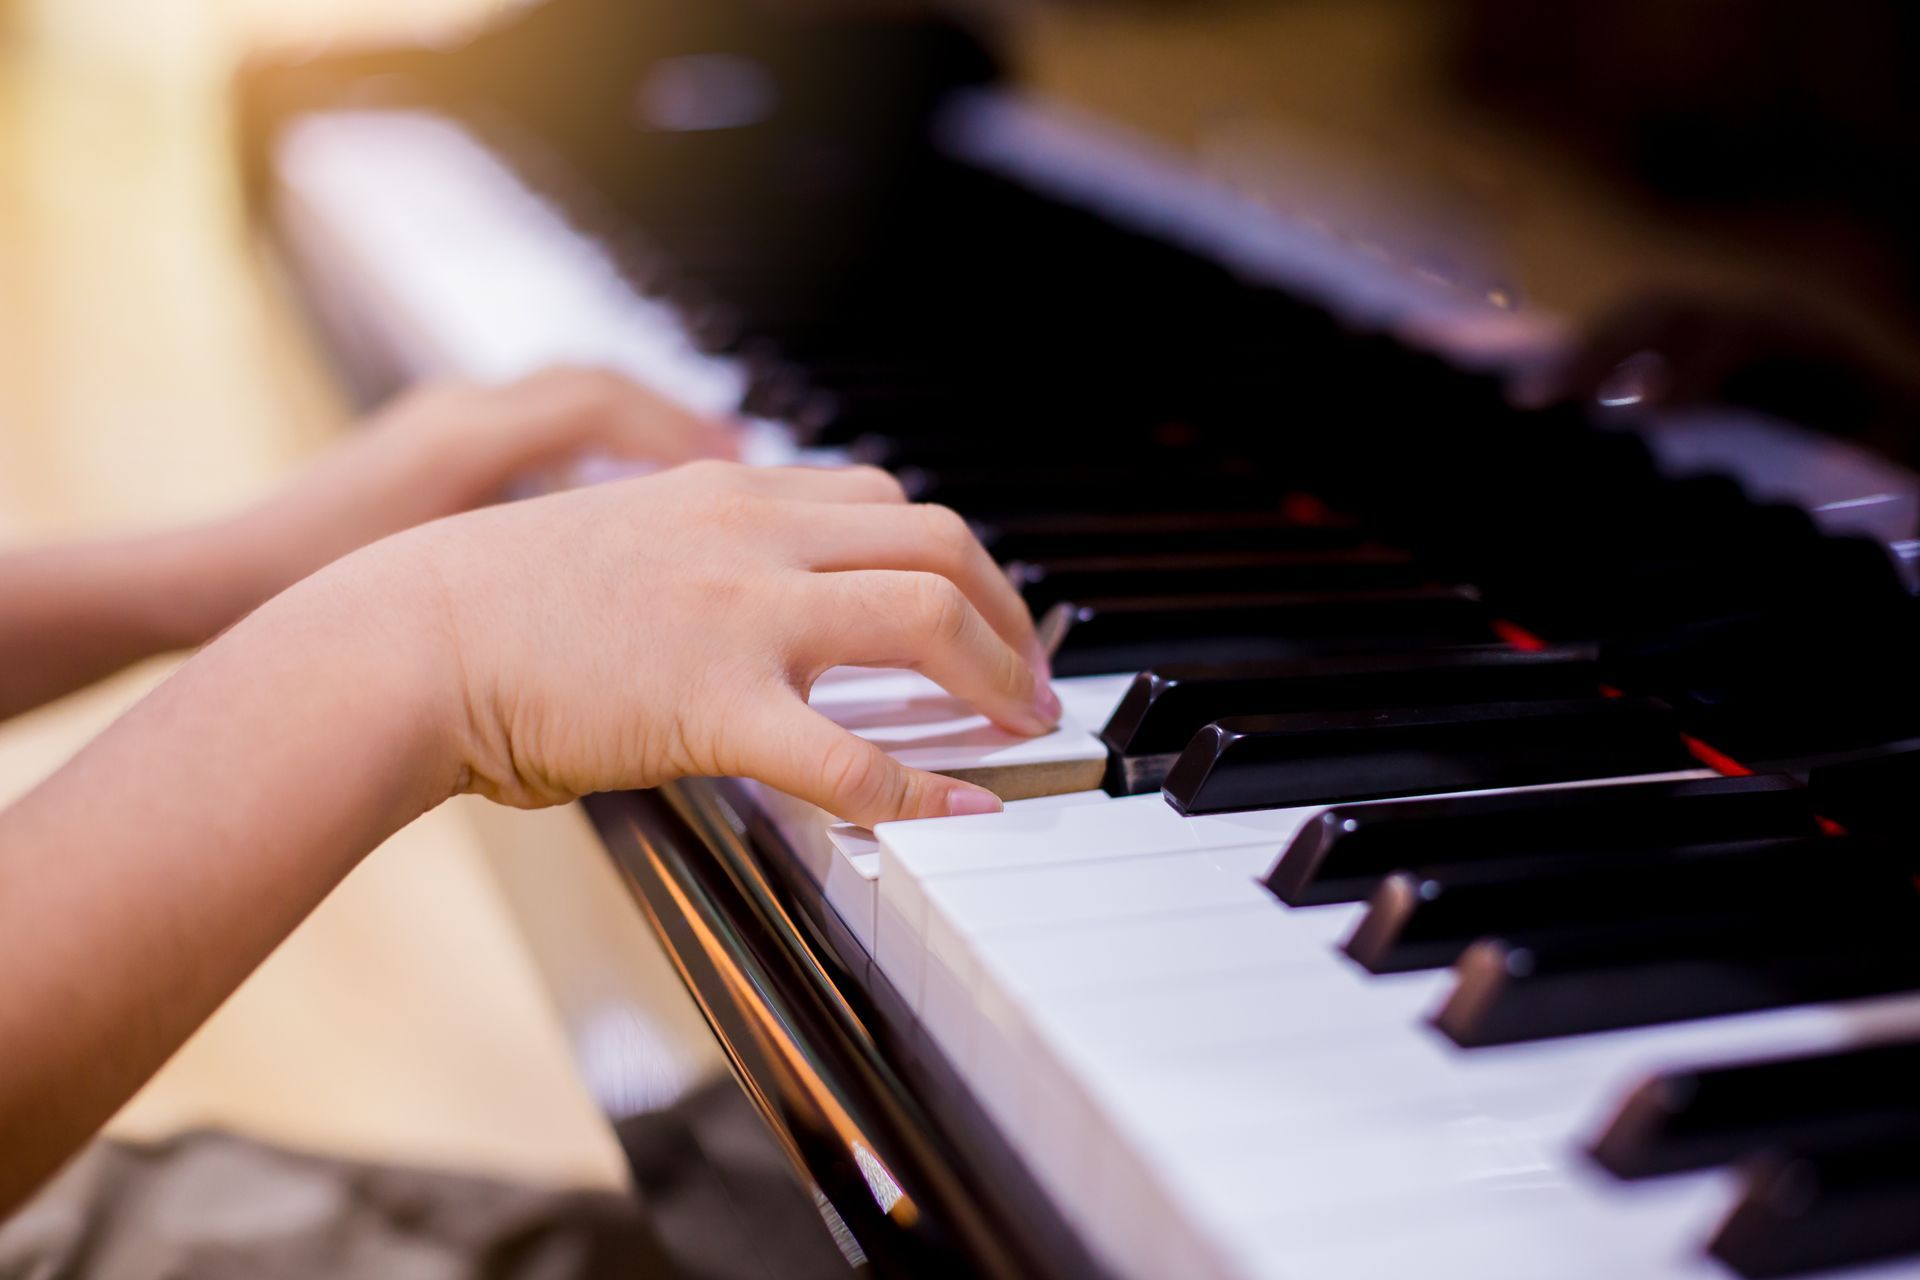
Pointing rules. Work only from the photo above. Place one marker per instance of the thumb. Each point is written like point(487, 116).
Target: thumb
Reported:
point(806, 755)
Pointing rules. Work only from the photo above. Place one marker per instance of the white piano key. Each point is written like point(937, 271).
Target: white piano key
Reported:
point(1091, 699)
point(919, 724)
point(899, 919)
point(1064, 1134)
point(1107, 956)
point(897, 948)
point(913, 855)
point(1048, 896)
point(853, 874)
point(963, 909)
point(1559, 1232)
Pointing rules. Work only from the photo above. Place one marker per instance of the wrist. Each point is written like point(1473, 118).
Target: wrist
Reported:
point(374, 622)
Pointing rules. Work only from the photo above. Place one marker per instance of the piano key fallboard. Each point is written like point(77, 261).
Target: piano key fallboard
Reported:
point(1472, 848)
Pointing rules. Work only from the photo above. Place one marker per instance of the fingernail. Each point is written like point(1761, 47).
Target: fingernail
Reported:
point(1046, 704)
point(964, 801)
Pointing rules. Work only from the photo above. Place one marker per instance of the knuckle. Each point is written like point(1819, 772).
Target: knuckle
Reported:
point(881, 484)
point(735, 509)
point(940, 608)
point(948, 534)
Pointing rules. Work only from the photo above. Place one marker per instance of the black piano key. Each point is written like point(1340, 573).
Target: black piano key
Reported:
point(1817, 1209)
point(1119, 487)
point(1616, 593)
point(1102, 637)
point(1045, 583)
point(1167, 705)
point(1145, 447)
point(1694, 1119)
point(1266, 762)
point(1425, 919)
point(1164, 532)
point(1880, 793)
point(1816, 676)
point(1512, 990)
point(1341, 855)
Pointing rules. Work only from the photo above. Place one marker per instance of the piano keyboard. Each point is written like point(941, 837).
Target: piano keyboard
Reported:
point(1402, 944)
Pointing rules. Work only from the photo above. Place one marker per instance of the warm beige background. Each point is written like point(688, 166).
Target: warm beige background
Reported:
point(148, 372)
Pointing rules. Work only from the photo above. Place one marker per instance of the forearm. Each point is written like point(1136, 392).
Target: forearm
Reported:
point(73, 613)
point(141, 883)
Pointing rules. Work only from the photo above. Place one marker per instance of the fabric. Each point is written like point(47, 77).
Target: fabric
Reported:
point(211, 1206)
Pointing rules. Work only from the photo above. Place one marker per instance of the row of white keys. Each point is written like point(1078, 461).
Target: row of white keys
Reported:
point(1236, 1094)
point(1038, 872)
point(480, 276)
point(430, 247)
point(1135, 1052)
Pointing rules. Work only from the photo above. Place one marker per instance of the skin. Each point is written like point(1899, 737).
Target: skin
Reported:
point(80, 611)
point(532, 652)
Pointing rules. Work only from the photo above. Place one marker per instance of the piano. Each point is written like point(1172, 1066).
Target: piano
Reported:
point(1481, 838)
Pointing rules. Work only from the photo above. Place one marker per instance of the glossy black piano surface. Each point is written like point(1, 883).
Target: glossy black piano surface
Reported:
point(1349, 562)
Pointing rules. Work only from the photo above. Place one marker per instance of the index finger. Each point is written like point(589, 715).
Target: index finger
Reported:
point(926, 539)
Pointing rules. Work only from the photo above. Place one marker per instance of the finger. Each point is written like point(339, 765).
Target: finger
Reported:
point(924, 539)
point(864, 485)
point(804, 754)
point(651, 426)
point(598, 408)
point(923, 621)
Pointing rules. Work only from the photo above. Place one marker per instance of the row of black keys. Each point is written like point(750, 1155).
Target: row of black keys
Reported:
point(1303, 644)
point(1607, 906)
point(1601, 906)
point(1327, 612)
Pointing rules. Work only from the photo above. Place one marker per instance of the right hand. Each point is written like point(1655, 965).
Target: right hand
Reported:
point(1777, 355)
point(668, 626)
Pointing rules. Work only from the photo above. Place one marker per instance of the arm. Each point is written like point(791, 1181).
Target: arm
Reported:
point(75, 613)
point(614, 637)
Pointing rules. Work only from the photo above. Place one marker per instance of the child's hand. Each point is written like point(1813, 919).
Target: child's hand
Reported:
point(447, 449)
point(672, 625)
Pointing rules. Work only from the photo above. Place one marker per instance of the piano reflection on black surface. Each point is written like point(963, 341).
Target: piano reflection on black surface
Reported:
point(1505, 829)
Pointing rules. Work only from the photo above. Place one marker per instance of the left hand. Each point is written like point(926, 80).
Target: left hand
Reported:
point(445, 449)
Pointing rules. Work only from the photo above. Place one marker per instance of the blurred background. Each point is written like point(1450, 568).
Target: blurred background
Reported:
point(153, 367)
point(150, 371)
